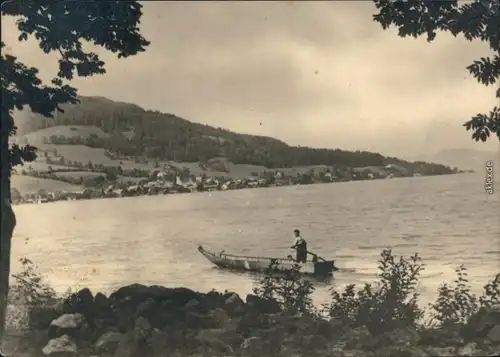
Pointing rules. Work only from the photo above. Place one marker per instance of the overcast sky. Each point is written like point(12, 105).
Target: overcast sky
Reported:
point(314, 74)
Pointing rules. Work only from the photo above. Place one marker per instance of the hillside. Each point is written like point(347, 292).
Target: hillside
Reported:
point(127, 130)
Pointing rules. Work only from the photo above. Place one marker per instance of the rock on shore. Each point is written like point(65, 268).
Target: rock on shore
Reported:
point(138, 320)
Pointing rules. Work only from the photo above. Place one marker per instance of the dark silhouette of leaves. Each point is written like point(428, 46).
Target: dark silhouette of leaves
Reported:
point(62, 27)
point(486, 71)
point(478, 20)
point(483, 125)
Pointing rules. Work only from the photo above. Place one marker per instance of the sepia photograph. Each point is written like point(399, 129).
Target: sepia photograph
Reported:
point(250, 178)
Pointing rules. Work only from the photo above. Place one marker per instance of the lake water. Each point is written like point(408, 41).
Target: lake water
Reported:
point(104, 244)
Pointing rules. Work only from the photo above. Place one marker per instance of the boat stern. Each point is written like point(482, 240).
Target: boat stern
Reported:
point(325, 268)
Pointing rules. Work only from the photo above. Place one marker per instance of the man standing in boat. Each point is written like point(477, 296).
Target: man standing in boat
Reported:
point(300, 245)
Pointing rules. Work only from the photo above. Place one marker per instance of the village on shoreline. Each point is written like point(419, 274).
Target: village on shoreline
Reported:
point(92, 181)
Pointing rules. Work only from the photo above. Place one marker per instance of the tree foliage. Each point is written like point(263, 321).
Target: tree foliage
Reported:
point(477, 20)
point(64, 27)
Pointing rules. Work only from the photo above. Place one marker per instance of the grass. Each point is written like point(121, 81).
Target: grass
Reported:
point(36, 138)
point(81, 153)
point(40, 166)
point(27, 184)
point(76, 174)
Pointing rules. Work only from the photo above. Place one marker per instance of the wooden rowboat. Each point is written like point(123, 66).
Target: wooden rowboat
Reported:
point(316, 267)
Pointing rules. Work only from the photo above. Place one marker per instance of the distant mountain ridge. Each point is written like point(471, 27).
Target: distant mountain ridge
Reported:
point(133, 131)
point(466, 159)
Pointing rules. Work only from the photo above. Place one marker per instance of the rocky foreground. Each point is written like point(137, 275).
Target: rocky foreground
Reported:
point(138, 320)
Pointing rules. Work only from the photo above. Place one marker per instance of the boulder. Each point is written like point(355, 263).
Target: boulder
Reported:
point(142, 329)
point(213, 300)
point(147, 308)
point(172, 337)
point(252, 346)
point(73, 325)
point(62, 346)
point(128, 346)
point(138, 292)
point(198, 321)
point(40, 317)
point(102, 306)
point(81, 302)
point(103, 325)
point(260, 305)
point(108, 342)
point(213, 341)
point(193, 306)
point(220, 317)
point(234, 305)
point(479, 324)
point(161, 314)
point(494, 335)
point(252, 321)
point(38, 338)
point(470, 349)
point(63, 306)
point(124, 313)
point(160, 342)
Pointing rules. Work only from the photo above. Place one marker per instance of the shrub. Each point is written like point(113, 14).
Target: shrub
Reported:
point(27, 291)
point(390, 304)
point(291, 291)
point(456, 303)
point(491, 294)
point(30, 285)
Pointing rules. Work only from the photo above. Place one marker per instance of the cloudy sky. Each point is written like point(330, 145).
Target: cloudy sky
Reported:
point(313, 74)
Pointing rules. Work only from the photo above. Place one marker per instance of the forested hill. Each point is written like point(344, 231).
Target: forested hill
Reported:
point(133, 131)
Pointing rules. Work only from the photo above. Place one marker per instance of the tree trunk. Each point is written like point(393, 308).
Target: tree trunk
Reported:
point(7, 226)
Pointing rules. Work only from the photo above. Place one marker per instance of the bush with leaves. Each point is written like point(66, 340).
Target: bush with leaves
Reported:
point(390, 304)
point(28, 291)
point(456, 303)
point(289, 289)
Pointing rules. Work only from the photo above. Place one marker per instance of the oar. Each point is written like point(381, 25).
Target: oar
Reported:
point(315, 255)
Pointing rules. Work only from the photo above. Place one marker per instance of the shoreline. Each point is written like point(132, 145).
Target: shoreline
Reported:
point(100, 193)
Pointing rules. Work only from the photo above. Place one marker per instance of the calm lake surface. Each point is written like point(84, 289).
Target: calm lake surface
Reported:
point(104, 244)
